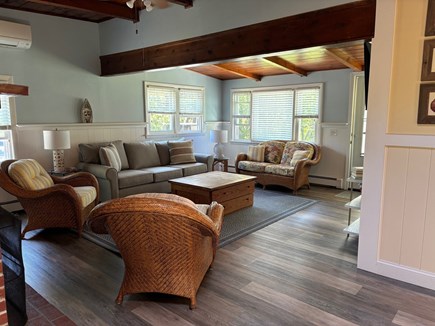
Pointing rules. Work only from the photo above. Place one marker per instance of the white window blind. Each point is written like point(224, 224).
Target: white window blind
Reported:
point(191, 101)
point(161, 99)
point(5, 113)
point(272, 116)
point(307, 102)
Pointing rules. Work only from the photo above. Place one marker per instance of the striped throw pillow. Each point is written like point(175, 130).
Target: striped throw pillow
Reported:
point(181, 152)
point(109, 156)
point(256, 153)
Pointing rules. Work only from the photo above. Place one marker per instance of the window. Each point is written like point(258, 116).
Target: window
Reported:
point(6, 148)
point(284, 113)
point(174, 109)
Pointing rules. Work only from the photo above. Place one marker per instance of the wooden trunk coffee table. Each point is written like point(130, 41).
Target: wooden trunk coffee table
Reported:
point(233, 191)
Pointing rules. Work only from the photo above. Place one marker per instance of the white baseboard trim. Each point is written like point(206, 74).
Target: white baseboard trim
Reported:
point(326, 181)
point(404, 273)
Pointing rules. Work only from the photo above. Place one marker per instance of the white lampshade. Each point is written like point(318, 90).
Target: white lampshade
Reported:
point(56, 139)
point(219, 136)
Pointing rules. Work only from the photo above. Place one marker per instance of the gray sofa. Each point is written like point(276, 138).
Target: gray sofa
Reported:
point(145, 167)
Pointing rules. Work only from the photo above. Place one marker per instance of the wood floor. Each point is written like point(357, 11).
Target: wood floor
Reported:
point(298, 271)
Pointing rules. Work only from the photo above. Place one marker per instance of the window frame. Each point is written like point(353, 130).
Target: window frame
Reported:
point(10, 129)
point(177, 115)
point(295, 118)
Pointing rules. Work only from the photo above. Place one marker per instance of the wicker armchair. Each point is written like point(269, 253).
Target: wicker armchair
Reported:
point(59, 202)
point(167, 242)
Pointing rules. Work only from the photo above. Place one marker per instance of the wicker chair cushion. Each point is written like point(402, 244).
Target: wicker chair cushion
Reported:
point(109, 156)
point(181, 152)
point(291, 147)
point(30, 175)
point(87, 194)
point(280, 169)
point(273, 151)
point(253, 166)
point(299, 155)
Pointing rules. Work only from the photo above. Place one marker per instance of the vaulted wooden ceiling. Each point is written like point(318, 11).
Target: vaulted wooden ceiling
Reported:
point(331, 38)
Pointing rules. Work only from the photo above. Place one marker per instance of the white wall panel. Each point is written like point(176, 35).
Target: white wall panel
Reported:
point(408, 215)
point(428, 251)
point(393, 207)
point(417, 176)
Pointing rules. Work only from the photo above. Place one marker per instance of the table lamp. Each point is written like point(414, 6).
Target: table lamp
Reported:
point(57, 140)
point(219, 137)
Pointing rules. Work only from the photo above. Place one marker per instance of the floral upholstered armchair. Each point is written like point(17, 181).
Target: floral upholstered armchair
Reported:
point(277, 162)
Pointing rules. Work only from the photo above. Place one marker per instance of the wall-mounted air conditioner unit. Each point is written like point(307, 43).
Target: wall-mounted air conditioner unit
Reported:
point(13, 35)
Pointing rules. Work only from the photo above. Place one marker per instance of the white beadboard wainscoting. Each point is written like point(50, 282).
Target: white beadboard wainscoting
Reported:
point(408, 213)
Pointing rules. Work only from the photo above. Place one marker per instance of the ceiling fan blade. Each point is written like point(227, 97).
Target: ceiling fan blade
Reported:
point(130, 3)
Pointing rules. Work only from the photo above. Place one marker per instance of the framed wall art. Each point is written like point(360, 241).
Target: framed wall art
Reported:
point(428, 66)
point(426, 106)
point(430, 18)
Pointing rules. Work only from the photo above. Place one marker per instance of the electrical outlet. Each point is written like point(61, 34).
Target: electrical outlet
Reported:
point(333, 132)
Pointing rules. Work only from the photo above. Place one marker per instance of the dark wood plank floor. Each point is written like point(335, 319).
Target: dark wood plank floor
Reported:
point(298, 271)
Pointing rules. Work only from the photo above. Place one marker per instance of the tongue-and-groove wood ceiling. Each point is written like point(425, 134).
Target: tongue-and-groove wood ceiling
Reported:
point(310, 51)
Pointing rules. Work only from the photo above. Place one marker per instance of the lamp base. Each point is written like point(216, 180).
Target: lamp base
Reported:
point(58, 160)
point(219, 151)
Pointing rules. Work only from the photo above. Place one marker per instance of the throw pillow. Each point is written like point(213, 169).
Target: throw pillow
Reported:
point(299, 155)
point(273, 151)
point(142, 155)
point(181, 152)
point(256, 153)
point(109, 156)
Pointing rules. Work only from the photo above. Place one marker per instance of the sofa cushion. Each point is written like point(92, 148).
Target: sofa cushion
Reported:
point(89, 153)
point(273, 151)
point(142, 155)
point(164, 173)
point(256, 153)
point(192, 168)
point(131, 178)
point(181, 152)
point(109, 156)
point(253, 166)
point(30, 175)
point(280, 169)
point(299, 155)
point(163, 150)
point(293, 146)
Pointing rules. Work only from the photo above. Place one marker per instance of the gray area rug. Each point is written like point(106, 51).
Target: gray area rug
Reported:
point(269, 206)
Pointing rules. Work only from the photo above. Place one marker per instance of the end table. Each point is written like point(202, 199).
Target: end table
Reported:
point(223, 161)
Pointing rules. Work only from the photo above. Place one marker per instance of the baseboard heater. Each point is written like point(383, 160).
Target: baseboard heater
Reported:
point(326, 181)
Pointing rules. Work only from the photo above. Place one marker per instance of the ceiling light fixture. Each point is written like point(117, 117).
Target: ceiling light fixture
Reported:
point(130, 4)
point(147, 3)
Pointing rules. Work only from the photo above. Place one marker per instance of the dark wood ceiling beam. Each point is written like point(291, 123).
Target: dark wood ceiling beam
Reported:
point(345, 59)
point(349, 22)
point(100, 7)
point(13, 90)
point(185, 3)
point(238, 71)
point(284, 64)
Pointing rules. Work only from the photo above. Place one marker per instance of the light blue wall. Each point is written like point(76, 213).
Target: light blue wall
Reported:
point(205, 17)
point(335, 91)
point(61, 68)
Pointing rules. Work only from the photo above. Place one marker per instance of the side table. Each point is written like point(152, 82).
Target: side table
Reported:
point(223, 161)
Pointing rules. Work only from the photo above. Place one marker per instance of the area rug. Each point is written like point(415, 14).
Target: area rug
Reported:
point(269, 207)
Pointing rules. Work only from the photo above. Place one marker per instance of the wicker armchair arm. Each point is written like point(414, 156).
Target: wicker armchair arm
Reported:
point(240, 157)
point(78, 179)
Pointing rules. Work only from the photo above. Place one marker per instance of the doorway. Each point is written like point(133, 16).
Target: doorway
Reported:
point(357, 122)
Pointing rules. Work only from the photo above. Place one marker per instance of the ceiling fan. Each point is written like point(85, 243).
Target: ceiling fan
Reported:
point(149, 4)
